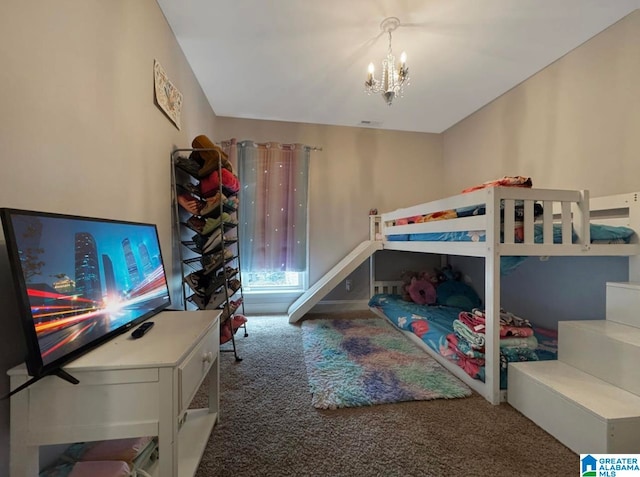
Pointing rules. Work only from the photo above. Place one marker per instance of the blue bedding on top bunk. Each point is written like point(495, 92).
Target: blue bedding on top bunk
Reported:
point(432, 324)
point(600, 234)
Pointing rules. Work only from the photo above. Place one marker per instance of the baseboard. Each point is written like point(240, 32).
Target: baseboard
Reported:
point(275, 305)
point(329, 306)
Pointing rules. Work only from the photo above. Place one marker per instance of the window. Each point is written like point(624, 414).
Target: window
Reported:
point(273, 216)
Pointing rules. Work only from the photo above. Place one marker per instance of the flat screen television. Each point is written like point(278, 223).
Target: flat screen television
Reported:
point(80, 281)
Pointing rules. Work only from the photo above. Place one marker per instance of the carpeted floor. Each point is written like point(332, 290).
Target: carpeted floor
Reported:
point(268, 426)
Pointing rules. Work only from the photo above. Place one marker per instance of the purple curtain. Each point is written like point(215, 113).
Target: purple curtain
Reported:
point(273, 205)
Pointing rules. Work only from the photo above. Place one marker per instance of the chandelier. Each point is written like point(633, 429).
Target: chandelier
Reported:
point(394, 75)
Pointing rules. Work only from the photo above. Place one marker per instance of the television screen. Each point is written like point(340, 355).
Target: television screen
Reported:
point(80, 281)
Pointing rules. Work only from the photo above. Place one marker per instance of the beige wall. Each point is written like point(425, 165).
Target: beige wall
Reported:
point(357, 169)
point(575, 124)
point(79, 132)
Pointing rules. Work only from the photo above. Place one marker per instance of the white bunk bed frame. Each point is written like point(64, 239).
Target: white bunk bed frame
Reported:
point(572, 209)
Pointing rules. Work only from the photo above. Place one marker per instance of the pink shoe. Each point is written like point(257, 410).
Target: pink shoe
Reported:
point(238, 321)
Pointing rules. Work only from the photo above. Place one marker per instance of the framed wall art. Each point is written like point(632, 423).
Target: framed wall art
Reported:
point(167, 96)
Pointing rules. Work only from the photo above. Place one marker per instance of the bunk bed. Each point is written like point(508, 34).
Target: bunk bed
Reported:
point(504, 225)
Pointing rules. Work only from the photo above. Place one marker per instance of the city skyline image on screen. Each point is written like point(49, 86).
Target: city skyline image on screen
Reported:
point(81, 280)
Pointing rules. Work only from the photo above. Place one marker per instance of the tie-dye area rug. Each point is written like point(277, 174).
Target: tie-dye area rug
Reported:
point(365, 361)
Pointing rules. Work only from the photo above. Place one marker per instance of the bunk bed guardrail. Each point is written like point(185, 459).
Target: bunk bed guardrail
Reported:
point(565, 220)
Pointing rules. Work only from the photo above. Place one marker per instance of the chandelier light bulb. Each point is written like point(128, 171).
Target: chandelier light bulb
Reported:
point(370, 74)
point(394, 75)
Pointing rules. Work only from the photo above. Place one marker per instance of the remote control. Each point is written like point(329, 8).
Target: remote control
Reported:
point(142, 330)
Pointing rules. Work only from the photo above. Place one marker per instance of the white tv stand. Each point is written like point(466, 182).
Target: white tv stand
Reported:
point(128, 388)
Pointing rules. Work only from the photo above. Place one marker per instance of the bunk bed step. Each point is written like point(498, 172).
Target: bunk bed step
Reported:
point(618, 351)
point(623, 303)
point(586, 414)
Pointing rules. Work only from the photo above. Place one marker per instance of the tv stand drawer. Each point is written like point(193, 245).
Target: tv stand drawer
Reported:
point(192, 371)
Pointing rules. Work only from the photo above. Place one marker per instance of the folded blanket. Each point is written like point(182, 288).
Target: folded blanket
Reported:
point(525, 342)
point(477, 340)
point(506, 181)
point(463, 350)
point(510, 324)
point(462, 331)
point(462, 347)
point(443, 215)
point(519, 354)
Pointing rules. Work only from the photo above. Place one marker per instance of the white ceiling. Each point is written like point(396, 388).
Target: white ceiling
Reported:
point(306, 61)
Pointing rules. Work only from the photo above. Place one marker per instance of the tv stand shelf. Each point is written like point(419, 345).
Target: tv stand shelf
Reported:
point(128, 388)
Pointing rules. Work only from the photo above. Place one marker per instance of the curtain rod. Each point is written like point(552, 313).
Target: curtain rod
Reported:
point(268, 144)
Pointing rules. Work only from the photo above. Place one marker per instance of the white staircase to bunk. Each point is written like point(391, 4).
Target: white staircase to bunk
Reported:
point(589, 399)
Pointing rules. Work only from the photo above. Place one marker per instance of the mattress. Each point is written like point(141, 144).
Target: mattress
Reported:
point(434, 325)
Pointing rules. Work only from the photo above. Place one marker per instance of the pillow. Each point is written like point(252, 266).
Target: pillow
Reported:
point(117, 450)
point(422, 291)
point(111, 468)
point(457, 294)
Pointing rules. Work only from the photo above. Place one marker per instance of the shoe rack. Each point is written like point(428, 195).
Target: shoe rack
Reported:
point(205, 198)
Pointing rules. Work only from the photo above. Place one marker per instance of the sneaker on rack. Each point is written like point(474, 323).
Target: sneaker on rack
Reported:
point(214, 261)
point(199, 241)
point(191, 188)
point(190, 203)
point(224, 316)
point(227, 272)
point(188, 164)
point(234, 285)
point(229, 219)
point(214, 302)
point(237, 321)
point(211, 262)
point(213, 241)
point(209, 226)
point(200, 301)
point(232, 202)
point(225, 332)
point(212, 204)
point(194, 280)
point(202, 226)
point(219, 297)
point(196, 224)
point(206, 244)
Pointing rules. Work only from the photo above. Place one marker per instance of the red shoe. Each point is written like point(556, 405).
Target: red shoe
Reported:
point(238, 321)
point(225, 333)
